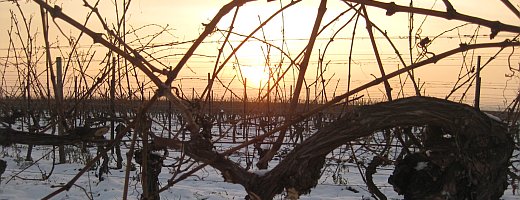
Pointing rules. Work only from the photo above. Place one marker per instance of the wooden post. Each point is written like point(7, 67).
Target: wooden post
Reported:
point(260, 91)
point(212, 100)
point(307, 105)
point(76, 95)
point(29, 111)
point(170, 119)
point(244, 125)
point(144, 162)
point(59, 81)
point(59, 100)
point(220, 118)
point(232, 110)
point(308, 99)
point(269, 101)
point(234, 124)
point(290, 96)
point(112, 101)
point(477, 85)
point(209, 95)
point(142, 91)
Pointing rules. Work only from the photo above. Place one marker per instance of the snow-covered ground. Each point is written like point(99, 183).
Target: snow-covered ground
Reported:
point(341, 178)
point(338, 182)
point(206, 184)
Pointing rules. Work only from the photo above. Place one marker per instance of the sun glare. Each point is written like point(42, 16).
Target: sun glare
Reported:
point(256, 76)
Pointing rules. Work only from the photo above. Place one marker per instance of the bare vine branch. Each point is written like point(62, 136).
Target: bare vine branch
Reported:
point(392, 8)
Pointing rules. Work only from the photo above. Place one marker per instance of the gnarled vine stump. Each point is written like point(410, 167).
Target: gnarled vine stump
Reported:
point(3, 165)
point(465, 153)
point(467, 150)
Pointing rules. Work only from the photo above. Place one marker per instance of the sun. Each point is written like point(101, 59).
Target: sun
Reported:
point(256, 76)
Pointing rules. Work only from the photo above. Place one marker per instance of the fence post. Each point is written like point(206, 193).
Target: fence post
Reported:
point(59, 101)
point(112, 101)
point(477, 85)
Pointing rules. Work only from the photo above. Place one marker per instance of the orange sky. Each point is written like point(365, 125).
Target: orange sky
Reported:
point(185, 20)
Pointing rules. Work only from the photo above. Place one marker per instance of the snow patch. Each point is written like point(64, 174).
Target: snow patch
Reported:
point(421, 165)
point(493, 117)
point(157, 153)
point(445, 193)
point(265, 146)
point(260, 172)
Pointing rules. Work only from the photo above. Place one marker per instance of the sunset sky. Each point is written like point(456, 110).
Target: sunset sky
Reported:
point(184, 21)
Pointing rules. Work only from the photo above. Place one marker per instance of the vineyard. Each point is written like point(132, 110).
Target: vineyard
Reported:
point(374, 101)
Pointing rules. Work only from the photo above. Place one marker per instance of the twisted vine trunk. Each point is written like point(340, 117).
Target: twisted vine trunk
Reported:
point(3, 165)
point(480, 149)
point(482, 154)
point(466, 150)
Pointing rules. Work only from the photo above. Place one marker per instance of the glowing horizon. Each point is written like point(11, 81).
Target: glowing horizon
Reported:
point(182, 21)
